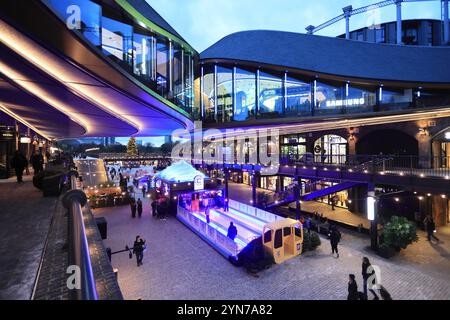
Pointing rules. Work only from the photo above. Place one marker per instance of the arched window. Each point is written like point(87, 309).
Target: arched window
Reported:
point(331, 149)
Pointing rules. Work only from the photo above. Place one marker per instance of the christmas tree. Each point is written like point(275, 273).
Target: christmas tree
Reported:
point(132, 148)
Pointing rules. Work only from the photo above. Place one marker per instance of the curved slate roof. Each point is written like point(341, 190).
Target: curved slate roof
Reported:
point(335, 56)
point(147, 11)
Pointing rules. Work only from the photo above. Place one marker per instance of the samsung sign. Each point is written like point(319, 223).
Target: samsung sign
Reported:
point(348, 102)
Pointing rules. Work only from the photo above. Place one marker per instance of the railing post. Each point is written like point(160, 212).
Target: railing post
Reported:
point(79, 255)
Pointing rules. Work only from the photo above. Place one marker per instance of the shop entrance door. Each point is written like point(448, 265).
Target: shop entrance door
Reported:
point(338, 153)
point(4, 167)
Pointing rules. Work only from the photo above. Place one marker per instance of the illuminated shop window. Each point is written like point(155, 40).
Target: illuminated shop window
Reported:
point(270, 95)
point(244, 106)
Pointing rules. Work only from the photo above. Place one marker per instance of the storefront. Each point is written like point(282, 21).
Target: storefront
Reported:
point(269, 183)
point(7, 146)
point(292, 146)
point(330, 149)
point(340, 199)
point(441, 150)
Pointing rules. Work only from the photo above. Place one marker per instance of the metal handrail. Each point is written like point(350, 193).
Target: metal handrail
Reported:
point(79, 255)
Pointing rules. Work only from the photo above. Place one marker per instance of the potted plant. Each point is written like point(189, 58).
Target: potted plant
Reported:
point(311, 241)
point(396, 234)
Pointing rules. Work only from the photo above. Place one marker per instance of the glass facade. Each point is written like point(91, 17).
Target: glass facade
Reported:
point(245, 91)
point(229, 93)
point(271, 101)
point(160, 63)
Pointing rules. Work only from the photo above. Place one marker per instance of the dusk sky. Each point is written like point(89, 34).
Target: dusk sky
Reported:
point(204, 22)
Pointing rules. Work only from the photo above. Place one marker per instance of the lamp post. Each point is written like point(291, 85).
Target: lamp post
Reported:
point(372, 216)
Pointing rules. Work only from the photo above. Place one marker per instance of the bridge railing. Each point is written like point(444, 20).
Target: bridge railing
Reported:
point(382, 164)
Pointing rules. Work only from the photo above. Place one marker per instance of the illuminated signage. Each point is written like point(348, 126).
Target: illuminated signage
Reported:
point(447, 135)
point(25, 140)
point(348, 102)
point(7, 135)
point(199, 182)
point(371, 206)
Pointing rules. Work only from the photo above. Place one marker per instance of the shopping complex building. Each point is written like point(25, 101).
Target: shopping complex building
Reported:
point(362, 112)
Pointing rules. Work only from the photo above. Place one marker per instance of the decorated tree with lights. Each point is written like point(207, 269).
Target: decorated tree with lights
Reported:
point(132, 148)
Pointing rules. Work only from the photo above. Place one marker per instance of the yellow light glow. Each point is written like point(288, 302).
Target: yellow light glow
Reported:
point(59, 69)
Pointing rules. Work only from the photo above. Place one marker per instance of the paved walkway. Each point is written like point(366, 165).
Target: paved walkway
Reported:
point(179, 265)
point(24, 223)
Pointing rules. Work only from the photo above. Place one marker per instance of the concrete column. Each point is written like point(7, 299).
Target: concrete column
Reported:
point(424, 151)
point(298, 193)
point(446, 21)
point(440, 210)
point(347, 13)
point(253, 177)
point(399, 21)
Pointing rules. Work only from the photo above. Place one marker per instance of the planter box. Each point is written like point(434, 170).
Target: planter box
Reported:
point(387, 252)
point(52, 185)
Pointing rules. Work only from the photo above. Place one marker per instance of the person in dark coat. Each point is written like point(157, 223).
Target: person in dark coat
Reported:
point(352, 288)
point(139, 208)
point(19, 163)
point(335, 237)
point(207, 212)
point(37, 162)
point(368, 272)
point(154, 208)
point(138, 250)
point(144, 190)
point(430, 227)
point(232, 231)
point(133, 207)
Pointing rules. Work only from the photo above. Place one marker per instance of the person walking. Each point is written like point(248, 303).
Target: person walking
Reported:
point(207, 214)
point(139, 208)
point(19, 163)
point(154, 208)
point(431, 228)
point(144, 190)
point(352, 288)
point(232, 231)
point(133, 207)
point(138, 250)
point(335, 237)
point(368, 272)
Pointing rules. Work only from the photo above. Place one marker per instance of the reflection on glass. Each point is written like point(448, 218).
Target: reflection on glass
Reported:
point(90, 14)
point(244, 107)
point(162, 67)
point(329, 99)
point(117, 40)
point(270, 95)
point(143, 64)
point(298, 97)
point(209, 94)
point(359, 100)
point(178, 88)
point(188, 78)
point(224, 94)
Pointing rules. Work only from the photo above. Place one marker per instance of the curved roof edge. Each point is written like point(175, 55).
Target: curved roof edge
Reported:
point(335, 56)
point(141, 10)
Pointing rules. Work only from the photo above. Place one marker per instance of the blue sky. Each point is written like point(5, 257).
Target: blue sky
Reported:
point(204, 22)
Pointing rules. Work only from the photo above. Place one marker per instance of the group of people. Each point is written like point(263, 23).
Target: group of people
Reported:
point(136, 207)
point(160, 208)
point(19, 163)
point(370, 283)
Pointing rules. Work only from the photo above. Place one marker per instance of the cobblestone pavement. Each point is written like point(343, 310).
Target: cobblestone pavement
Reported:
point(24, 223)
point(179, 265)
